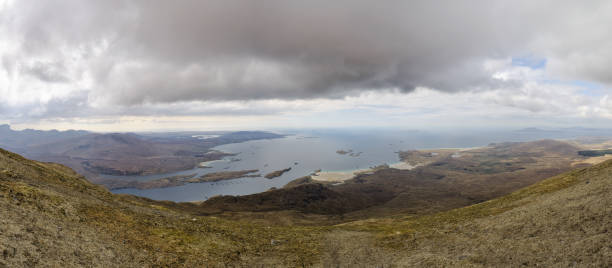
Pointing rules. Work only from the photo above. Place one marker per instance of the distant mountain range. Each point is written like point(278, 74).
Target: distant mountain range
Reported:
point(95, 154)
point(18, 140)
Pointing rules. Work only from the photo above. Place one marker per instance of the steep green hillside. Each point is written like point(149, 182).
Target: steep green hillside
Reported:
point(51, 216)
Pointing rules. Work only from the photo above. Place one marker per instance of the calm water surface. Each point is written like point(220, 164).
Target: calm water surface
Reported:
point(308, 151)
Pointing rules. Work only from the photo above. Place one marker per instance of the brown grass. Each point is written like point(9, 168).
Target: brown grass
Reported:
point(50, 216)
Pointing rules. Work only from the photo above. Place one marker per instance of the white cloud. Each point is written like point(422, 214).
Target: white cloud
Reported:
point(280, 62)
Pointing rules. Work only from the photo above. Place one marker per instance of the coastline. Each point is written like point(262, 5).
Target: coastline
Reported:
point(341, 176)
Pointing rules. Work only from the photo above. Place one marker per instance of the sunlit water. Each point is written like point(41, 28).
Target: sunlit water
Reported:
point(307, 152)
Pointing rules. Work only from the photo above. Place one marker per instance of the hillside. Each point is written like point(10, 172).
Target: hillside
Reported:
point(563, 221)
point(50, 215)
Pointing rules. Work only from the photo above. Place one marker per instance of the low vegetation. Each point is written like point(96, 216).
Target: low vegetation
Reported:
point(52, 216)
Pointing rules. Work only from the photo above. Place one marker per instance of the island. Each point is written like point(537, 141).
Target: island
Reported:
point(277, 173)
point(180, 180)
point(343, 152)
point(349, 152)
point(224, 175)
point(152, 184)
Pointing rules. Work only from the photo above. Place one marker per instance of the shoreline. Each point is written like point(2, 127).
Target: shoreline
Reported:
point(454, 148)
point(341, 176)
point(205, 164)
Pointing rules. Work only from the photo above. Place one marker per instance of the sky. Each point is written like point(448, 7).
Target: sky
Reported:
point(222, 65)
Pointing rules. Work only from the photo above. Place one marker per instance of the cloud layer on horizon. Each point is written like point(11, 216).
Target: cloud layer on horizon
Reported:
point(97, 58)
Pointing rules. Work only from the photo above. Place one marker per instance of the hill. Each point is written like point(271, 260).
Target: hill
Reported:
point(49, 215)
point(123, 154)
point(563, 221)
point(306, 198)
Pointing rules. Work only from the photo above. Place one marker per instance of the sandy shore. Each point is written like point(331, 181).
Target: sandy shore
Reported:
point(461, 149)
point(336, 176)
point(340, 176)
point(206, 164)
point(403, 165)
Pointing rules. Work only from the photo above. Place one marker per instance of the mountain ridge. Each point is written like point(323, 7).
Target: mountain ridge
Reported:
point(96, 155)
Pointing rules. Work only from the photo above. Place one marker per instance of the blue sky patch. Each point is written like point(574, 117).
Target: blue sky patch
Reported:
point(529, 61)
point(588, 88)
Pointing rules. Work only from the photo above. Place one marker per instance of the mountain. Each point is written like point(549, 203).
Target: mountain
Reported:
point(18, 140)
point(97, 154)
point(123, 154)
point(51, 216)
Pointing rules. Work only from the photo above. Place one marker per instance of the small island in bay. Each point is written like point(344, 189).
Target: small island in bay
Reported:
point(344, 152)
point(349, 152)
point(224, 175)
point(181, 180)
point(152, 184)
point(277, 173)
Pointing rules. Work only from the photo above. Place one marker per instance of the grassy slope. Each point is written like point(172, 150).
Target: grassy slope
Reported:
point(50, 215)
point(562, 221)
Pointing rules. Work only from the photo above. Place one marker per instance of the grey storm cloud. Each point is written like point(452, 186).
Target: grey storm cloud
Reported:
point(47, 72)
point(172, 51)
